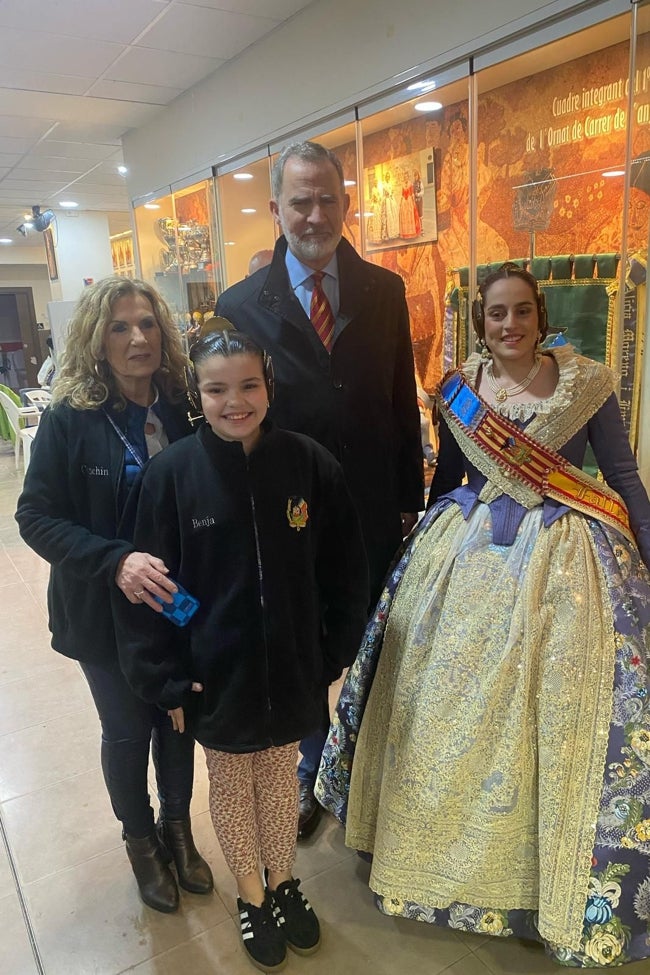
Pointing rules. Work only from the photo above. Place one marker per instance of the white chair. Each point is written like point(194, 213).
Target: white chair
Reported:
point(20, 418)
point(27, 435)
point(40, 398)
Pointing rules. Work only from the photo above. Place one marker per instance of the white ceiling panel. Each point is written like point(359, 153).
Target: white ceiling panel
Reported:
point(107, 135)
point(53, 164)
point(91, 152)
point(92, 188)
point(151, 94)
point(55, 53)
point(119, 21)
point(14, 197)
point(75, 75)
point(40, 81)
point(15, 146)
point(77, 108)
point(10, 158)
point(146, 66)
point(20, 184)
point(275, 9)
point(108, 177)
point(111, 182)
point(205, 32)
point(17, 126)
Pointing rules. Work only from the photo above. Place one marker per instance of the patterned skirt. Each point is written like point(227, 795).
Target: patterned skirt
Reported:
point(491, 744)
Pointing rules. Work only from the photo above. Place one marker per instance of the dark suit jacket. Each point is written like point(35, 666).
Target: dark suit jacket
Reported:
point(360, 400)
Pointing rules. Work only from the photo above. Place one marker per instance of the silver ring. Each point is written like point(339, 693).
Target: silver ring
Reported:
point(139, 593)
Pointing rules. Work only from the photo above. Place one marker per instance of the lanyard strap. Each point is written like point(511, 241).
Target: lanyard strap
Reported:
point(129, 446)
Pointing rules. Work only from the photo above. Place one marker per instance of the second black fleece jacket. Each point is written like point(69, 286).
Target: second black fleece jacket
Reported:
point(283, 607)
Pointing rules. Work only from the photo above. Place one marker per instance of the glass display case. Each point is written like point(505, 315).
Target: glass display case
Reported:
point(634, 334)
point(122, 254)
point(178, 254)
point(247, 226)
point(416, 207)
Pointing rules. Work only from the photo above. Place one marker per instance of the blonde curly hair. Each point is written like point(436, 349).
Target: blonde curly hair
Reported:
point(84, 379)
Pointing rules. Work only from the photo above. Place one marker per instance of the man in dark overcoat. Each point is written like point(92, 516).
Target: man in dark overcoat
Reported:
point(337, 330)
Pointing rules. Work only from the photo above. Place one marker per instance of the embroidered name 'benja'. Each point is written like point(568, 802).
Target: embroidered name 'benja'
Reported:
point(202, 522)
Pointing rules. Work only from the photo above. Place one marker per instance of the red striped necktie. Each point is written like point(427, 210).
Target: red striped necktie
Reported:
point(320, 312)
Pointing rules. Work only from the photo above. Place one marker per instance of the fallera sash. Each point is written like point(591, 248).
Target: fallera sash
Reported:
point(519, 456)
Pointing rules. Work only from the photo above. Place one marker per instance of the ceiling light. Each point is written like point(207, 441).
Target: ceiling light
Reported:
point(428, 106)
point(68, 204)
point(249, 210)
point(152, 206)
point(242, 175)
point(349, 182)
point(615, 172)
point(229, 243)
point(122, 170)
point(6, 240)
point(427, 85)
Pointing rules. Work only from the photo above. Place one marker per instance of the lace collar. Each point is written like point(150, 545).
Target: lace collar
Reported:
point(582, 388)
point(568, 365)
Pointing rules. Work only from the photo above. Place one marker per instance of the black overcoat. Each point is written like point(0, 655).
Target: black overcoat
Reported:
point(360, 400)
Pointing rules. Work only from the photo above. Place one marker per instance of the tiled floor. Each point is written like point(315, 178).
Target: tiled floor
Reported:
point(68, 902)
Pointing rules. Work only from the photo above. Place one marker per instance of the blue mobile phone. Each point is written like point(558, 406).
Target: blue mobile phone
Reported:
point(183, 607)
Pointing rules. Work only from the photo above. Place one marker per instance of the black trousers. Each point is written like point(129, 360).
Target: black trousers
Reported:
point(129, 727)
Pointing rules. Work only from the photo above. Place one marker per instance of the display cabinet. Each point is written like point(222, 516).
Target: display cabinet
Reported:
point(122, 254)
point(178, 253)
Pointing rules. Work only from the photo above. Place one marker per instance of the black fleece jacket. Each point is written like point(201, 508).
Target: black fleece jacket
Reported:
point(69, 512)
point(271, 546)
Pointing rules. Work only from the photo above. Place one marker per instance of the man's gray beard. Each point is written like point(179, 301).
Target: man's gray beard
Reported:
point(309, 250)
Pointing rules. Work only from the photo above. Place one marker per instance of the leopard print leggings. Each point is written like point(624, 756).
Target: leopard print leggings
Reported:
point(254, 807)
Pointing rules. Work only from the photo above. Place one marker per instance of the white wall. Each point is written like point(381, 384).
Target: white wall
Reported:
point(330, 55)
point(32, 276)
point(83, 250)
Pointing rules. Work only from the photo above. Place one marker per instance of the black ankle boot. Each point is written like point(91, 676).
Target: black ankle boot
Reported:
point(155, 880)
point(193, 872)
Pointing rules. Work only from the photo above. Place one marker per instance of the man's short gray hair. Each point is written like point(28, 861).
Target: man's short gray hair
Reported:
point(309, 152)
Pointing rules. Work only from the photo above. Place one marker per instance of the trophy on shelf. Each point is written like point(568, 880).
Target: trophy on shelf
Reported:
point(165, 231)
point(187, 245)
point(532, 206)
point(194, 245)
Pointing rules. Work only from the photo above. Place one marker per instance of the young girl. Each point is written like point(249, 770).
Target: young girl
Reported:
point(258, 525)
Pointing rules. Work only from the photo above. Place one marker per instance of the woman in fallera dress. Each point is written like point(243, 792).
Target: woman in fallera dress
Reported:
point(491, 746)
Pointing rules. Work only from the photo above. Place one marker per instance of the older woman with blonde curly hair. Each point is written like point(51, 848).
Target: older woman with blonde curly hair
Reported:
point(119, 398)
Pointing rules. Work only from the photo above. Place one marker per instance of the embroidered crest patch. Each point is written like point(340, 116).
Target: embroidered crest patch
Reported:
point(297, 513)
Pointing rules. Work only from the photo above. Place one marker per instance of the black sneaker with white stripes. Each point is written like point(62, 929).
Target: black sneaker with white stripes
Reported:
point(262, 935)
point(299, 923)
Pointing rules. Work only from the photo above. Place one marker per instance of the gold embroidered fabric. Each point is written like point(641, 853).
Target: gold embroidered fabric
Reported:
point(480, 759)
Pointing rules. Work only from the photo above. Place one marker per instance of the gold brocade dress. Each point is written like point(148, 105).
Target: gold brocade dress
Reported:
point(491, 747)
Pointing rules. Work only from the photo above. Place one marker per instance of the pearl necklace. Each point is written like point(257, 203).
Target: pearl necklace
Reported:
point(501, 393)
